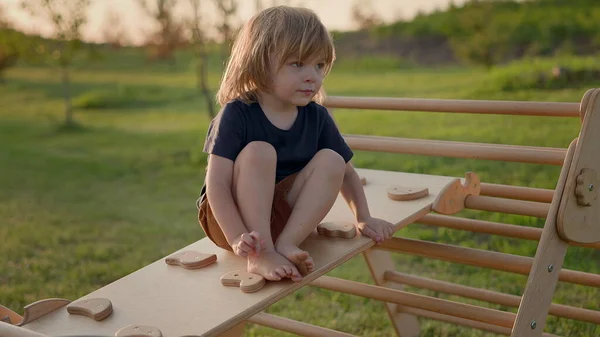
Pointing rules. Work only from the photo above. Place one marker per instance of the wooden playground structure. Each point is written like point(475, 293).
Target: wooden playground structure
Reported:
point(188, 295)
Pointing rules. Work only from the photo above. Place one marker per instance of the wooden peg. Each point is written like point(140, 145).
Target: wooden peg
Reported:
point(403, 193)
point(248, 282)
point(95, 308)
point(345, 229)
point(191, 259)
point(136, 330)
point(41, 308)
point(451, 199)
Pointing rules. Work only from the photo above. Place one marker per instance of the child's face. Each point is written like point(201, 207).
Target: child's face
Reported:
point(297, 82)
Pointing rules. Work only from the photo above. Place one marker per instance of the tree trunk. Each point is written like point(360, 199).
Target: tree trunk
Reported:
point(67, 96)
point(202, 82)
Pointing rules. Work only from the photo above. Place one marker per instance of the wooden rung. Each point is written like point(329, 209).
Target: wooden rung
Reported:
point(481, 226)
point(481, 258)
point(462, 310)
point(489, 227)
point(507, 300)
point(519, 207)
point(292, 326)
point(517, 192)
point(461, 321)
point(442, 148)
point(549, 109)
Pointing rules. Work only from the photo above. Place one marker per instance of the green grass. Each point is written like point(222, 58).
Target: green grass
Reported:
point(81, 208)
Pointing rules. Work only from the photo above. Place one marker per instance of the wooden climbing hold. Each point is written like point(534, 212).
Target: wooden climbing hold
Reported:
point(400, 193)
point(136, 330)
point(95, 308)
point(40, 308)
point(345, 230)
point(363, 180)
point(191, 259)
point(248, 282)
point(451, 198)
point(586, 188)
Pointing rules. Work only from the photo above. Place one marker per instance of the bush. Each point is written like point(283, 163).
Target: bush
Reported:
point(108, 98)
point(545, 73)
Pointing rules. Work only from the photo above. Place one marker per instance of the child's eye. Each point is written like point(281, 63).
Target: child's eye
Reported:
point(321, 65)
point(297, 64)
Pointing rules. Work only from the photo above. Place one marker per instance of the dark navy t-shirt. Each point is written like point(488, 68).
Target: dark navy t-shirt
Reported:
point(238, 124)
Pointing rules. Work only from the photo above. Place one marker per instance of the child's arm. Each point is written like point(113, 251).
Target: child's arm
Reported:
point(219, 193)
point(353, 192)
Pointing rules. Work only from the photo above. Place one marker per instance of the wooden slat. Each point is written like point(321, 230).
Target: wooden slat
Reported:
point(443, 148)
point(519, 207)
point(550, 109)
point(481, 258)
point(508, 300)
point(293, 326)
point(517, 192)
point(462, 310)
point(489, 227)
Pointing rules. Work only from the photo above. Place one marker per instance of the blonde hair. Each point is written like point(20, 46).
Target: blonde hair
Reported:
point(273, 35)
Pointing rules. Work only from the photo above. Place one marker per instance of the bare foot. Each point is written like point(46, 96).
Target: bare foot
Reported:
point(272, 266)
point(303, 261)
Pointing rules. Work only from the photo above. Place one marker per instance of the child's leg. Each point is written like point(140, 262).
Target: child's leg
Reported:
point(253, 188)
point(312, 195)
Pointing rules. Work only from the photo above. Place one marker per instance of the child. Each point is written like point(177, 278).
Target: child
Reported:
point(276, 158)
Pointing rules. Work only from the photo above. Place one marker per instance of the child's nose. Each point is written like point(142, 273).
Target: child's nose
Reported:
point(311, 76)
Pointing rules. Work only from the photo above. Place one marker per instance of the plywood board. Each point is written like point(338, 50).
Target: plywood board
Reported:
point(182, 302)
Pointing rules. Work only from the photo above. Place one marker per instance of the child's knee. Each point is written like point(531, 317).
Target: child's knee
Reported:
point(332, 161)
point(258, 153)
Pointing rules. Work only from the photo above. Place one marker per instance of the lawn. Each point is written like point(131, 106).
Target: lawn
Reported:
point(81, 208)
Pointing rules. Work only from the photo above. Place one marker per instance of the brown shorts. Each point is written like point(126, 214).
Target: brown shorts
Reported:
point(280, 212)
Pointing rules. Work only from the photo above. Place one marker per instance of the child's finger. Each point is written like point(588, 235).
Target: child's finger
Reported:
point(245, 247)
point(239, 251)
point(369, 232)
point(257, 241)
point(390, 230)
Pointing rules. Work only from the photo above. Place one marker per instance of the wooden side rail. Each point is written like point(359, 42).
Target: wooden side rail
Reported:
point(481, 258)
point(508, 300)
point(462, 310)
point(549, 109)
point(295, 327)
point(489, 227)
point(444, 148)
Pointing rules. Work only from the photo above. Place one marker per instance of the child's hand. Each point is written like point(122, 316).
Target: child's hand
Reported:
point(377, 229)
point(247, 243)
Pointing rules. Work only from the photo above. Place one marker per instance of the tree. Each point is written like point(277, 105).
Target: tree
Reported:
point(226, 10)
point(479, 40)
point(169, 34)
point(10, 44)
point(113, 32)
point(67, 18)
point(199, 45)
point(364, 16)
